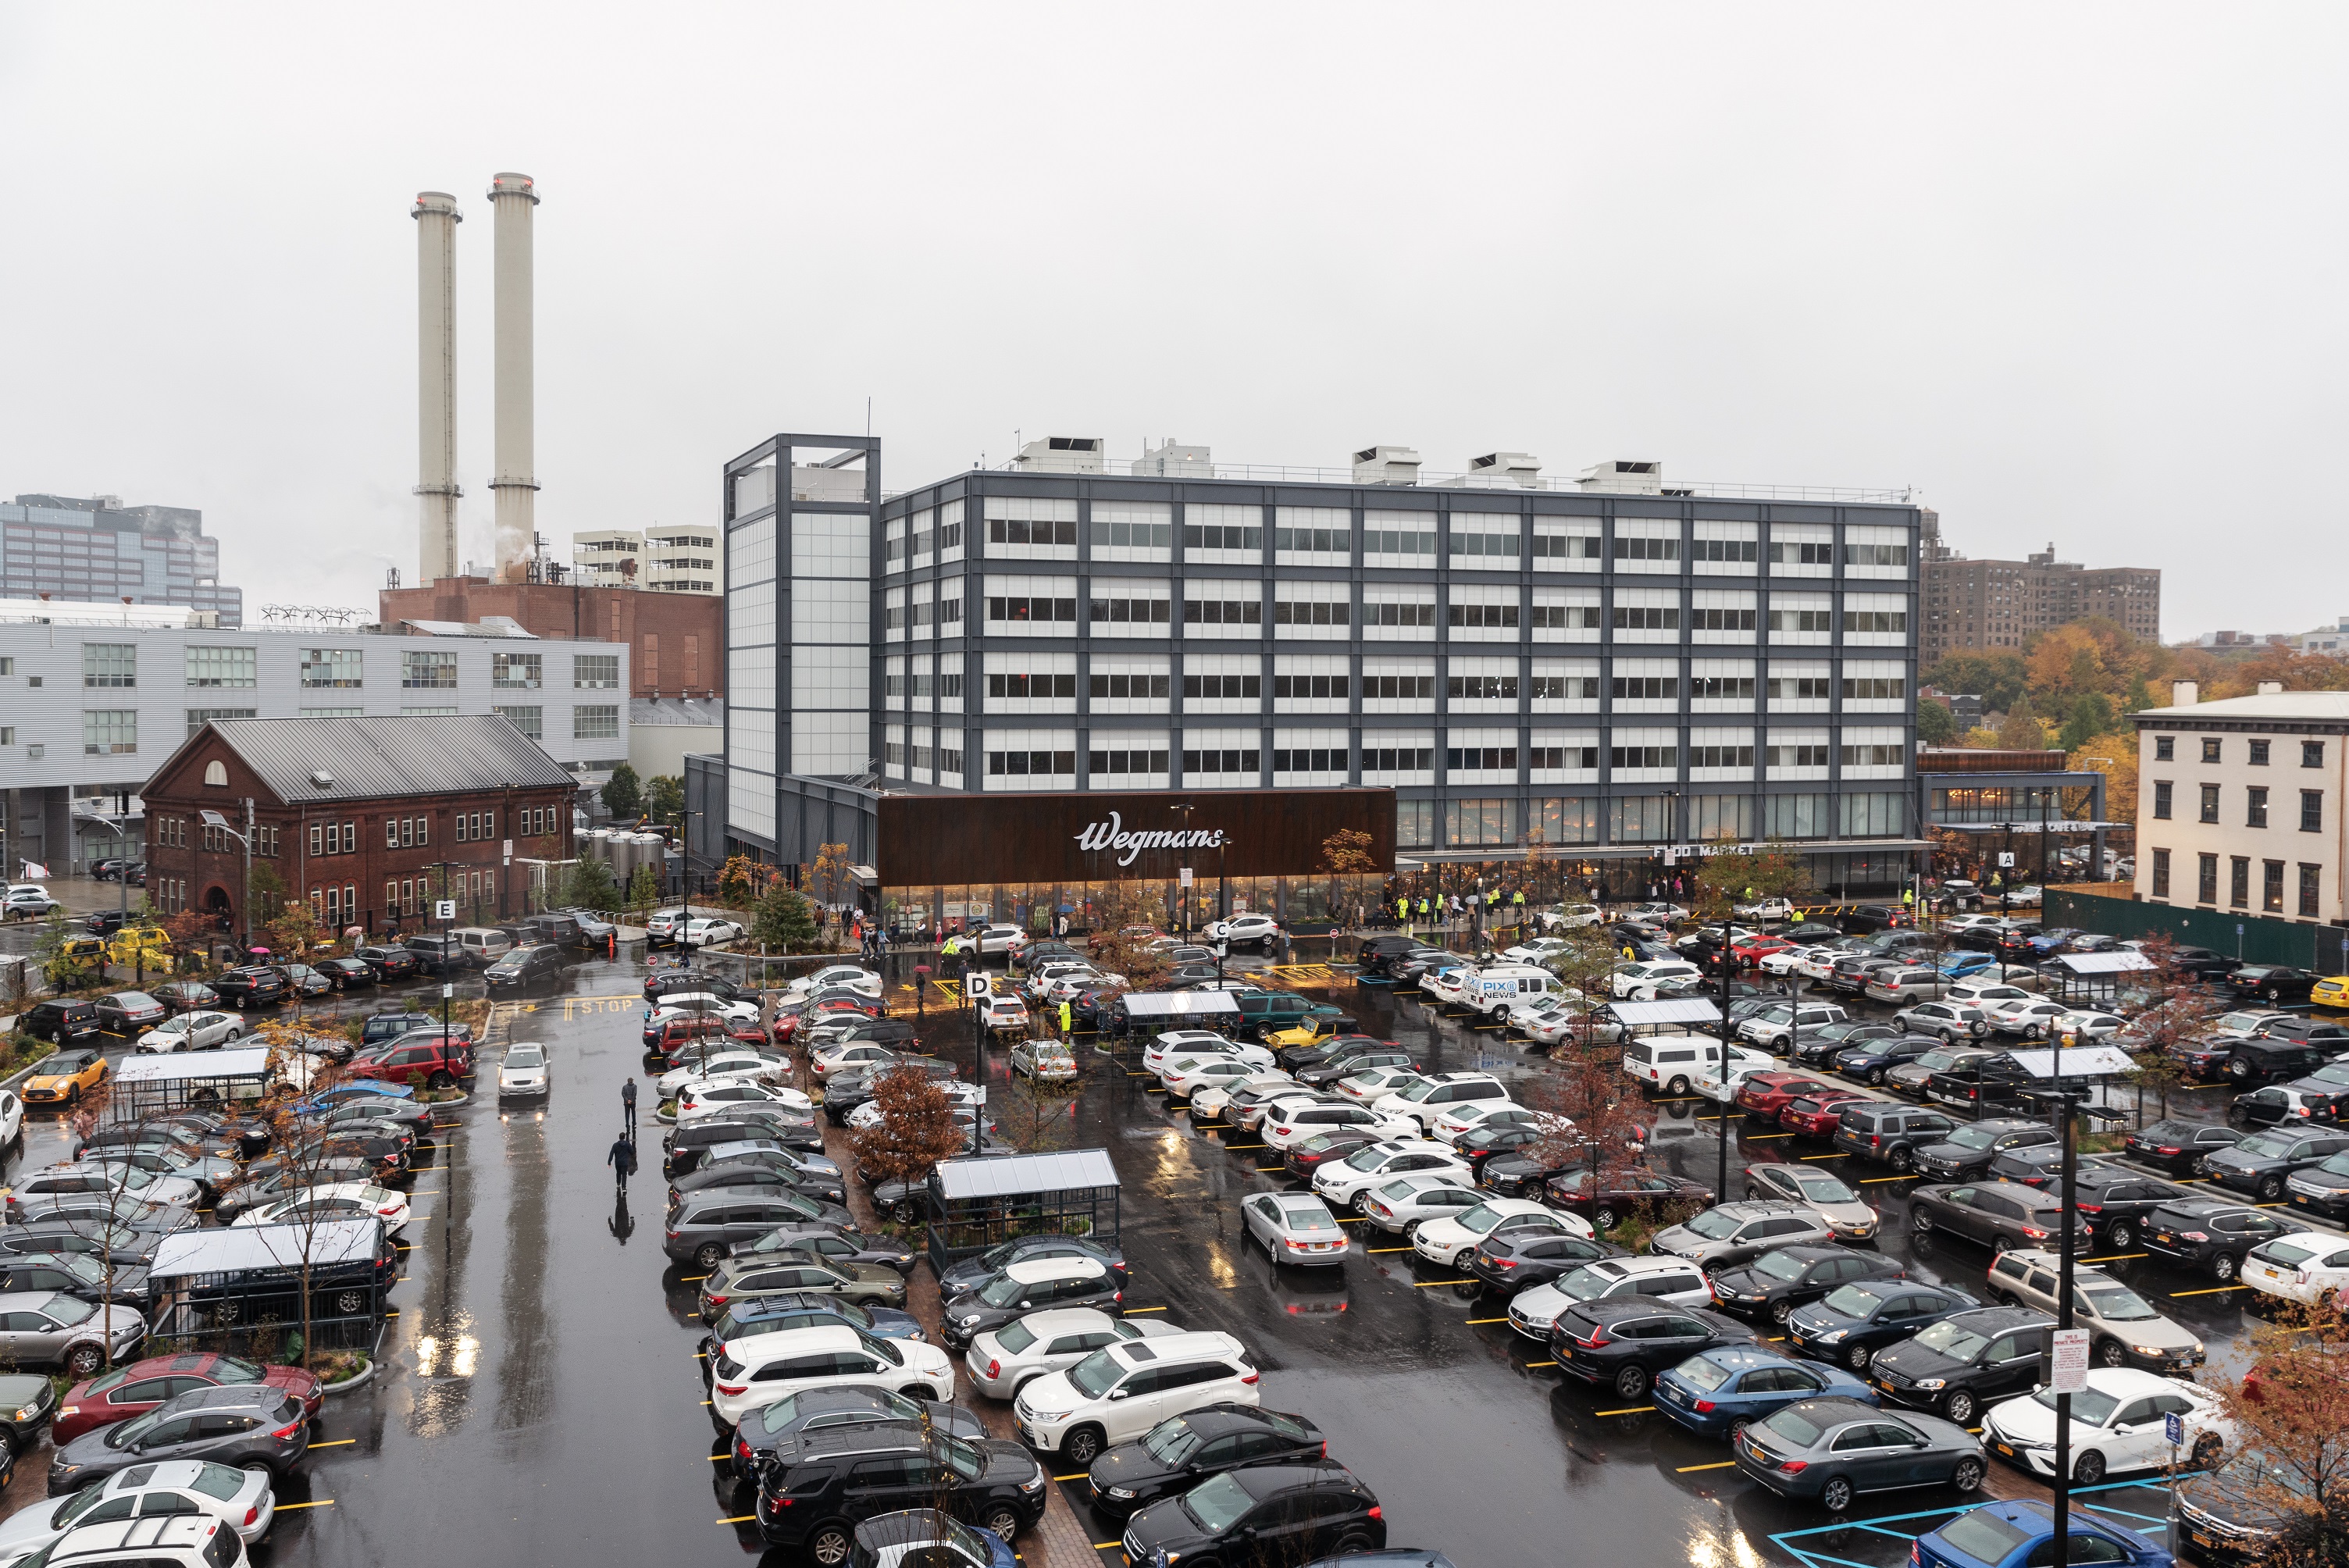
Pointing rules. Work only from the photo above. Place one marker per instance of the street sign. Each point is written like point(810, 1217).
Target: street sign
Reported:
point(2006, 860)
point(444, 908)
point(447, 991)
point(2173, 1427)
point(2068, 1371)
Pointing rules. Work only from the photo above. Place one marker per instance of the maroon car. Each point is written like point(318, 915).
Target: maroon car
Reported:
point(1818, 1113)
point(1621, 1195)
point(423, 1061)
point(135, 1389)
point(1764, 1095)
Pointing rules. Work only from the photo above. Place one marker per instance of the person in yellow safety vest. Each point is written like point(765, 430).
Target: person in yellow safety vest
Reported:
point(1519, 898)
point(1628, 954)
point(1422, 906)
point(1403, 908)
point(1066, 1033)
point(1798, 917)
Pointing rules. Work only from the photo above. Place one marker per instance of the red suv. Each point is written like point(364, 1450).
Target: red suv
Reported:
point(1818, 1113)
point(1764, 1095)
point(427, 1061)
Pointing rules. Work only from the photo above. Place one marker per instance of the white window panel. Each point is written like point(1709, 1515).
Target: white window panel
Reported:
point(1314, 610)
point(892, 547)
point(751, 677)
point(1222, 758)
point(1718, 615)
point(1222, 683)
point(1642, 756)
point(1719, 547)
point(830, 743)
point(831, 678)
point(1720, 755)
point(1564, 757)
point(1024, 681)
point(751, 614)
point(750, 800)
point(1398, 613)
point(820, 613)
point(1876, 620)
point(922, 765)
point(832, 545)
point(1874, 686)
point(1310, 756)
point(893, 750)
point(1647, 544)
point(1019, 606)
point(950, 620)
point(1568, 544)
point(1565, 616)
point(1872, 751)
point(1721, 686)
point(950, 683)
point(1312, 683)
point(751, 552)
point(1223, 535)
point(921, 615)
point(921, 681)
point(1875, 551)
point(1566, 685)
point(1014, 759)
point(1647, 616)
point(1800, 620)
point(1400, 539)
point(1801, 549)
point(1799, 685)
point(1031, 528)
point(1127, 759)
point(893, 616)
point(1133, 530)
point(1131, 607)
point(1398, 756)
point(753, 741)
point(951, 542)
point(1313, 535)
point(921, 537)
point(1131, 683)
point(1485, 541)
point(1220, 608)
point(1485, 685)
point(1796, 752)
point(1483, 612)
point(1398, 685)
point(1480, 756)
point(893, 683)
point(1644, 685)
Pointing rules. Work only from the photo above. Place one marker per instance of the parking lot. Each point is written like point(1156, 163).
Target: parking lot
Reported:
point(538, 1392)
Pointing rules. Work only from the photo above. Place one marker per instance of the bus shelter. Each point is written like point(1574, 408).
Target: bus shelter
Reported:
point(231, 1285)
point(1150, 1012)
point(981, 1203)
point(149, 1086)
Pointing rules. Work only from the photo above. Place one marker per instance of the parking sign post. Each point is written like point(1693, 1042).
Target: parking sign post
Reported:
point(2173, 1427)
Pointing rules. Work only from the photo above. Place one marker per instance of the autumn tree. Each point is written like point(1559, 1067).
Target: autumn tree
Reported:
point(2021, 730)
point(1344, 853)
point(2291, 1461)
point(1937, 724)
point(2114, 755)
point(915, 1130)
point(1609, 1117)
point(739, 880)
point(2181, 1011)
point(829, 878)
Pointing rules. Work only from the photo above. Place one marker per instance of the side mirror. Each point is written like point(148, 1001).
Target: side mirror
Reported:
point(1117, 1393)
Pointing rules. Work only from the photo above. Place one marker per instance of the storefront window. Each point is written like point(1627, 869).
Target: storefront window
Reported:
point(1414, 824)
point(1471, 824)
point(1639, 819)
point(1563, 820)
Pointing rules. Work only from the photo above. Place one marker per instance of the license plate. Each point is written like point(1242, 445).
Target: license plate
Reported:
point(2200, 1539)
point(1881, 1383)
point(2004, 1450)
point(1565, 1355)
point(2303, 1201)
point(2164, 1237)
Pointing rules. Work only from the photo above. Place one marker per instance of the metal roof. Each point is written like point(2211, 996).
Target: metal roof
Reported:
point(223, 1249)
point(1687, 1010)
point(2078, 1061)
point(387, 757)
point(178, 1066)
point(2104, 963)
point(1177, 1003)
point(1021, 1174)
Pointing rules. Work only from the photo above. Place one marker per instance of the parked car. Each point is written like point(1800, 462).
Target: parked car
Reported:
point(135, 1388)
point(758, 1369)
point(1672, 1282)
point(2180, 1148)
point(124, 1013)
point(776, 1435)
point(1774, 1285)
point(2124, 1330)
point(1735, 1233)
point(1721, 1391)
point(1621, 1343)
point(1846, 1218)
point(2118, 1423)
point(2263, 1163)
point(705, 1227)
point(1585, 1197)
point(388, 962)
point(1851, 1323)
point(426, 1061)
point(1999, 1214)
point(2118, 1202)
point(1182, 1451)
point(63, 1020)
point(1833, 1449)
point(2011, 1534)
point(196, 1031)
point(1968, 1148)
point(348, 973)
point(2271, 983)
point(523, 967)
point(52, 1329)
point(1034, 1285)
point(2212, 1234)
point(2296, 1104)
point(1511, 1261)
point(1966, 1361)
point(1091, 1407)
point(1316, 1511)
point(252, 985)
point(1891, 1132)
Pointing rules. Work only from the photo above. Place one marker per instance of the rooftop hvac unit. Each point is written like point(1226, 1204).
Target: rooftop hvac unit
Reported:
point(1061, 455)
point(1623, 478)
point(1386, 466)
point(1522, 469)
point(1169, 461)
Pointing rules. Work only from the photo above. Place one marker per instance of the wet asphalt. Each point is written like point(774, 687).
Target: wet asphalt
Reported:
point(538, 1398)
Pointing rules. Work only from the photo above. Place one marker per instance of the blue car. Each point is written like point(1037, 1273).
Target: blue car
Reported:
point(1959, 965)
point(357, 1088)
point(1854, 1321)
point(1715, 1391)
point(1869, 1061)
point(2013, 1535)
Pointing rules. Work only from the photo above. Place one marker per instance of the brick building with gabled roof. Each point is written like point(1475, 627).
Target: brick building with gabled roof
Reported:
point(368, 819)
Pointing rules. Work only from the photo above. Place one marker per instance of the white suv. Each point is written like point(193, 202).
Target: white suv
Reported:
point(1638, 982)
point(172, 1540)
point(1772, 1026)
point(1433, 1095)
point(754, 1371)
point(1344, 1182)
point(1120, 1392)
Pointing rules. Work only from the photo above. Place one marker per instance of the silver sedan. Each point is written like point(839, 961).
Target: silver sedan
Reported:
point(1294, 1228)
point(198, 1031)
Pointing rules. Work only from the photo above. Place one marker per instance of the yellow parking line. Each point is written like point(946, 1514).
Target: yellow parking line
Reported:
point(1131, 1310)
point(1872, 1180)
point(1541, 1364)
point(1475, 1321)
point(1722, 1464)
point(691, 1279)
point(321, 1503)
point(1355, 1221)
point(740, 1519)
point(1629, 1410)
point(1757, 1137)
point(1243, 1145)
point(1826, 1156)
point(1432, 1284)
point(338, 1443)
point(2114, 1257)
point(1104, 1545)
point(2214, 1290)
point(1389, 1249)
point(719, 1459)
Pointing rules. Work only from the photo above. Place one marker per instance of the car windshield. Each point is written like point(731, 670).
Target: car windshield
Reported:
point(2117, 1303)
point(2088, 1405)
point(1097, 1374)
point(1003, 1291)
point(1983, 1536)
point(1937, 1061)
point(1701, 1374)
point(1172, 1443)
point(1976, 1137)
point(1015, 1337)
point(524, 1056)
point(1304, 1217)
point(1217, 1505)
point(1952, 1340)
point(961, 1456)
point(2266, 1146)
point(1779, 1266)
point(1586, 1283)
point(1794, 1426)
point(2289, 1253)
point(1713, 1225)
point(1369, 1158)
point(1818, 1187)
point(1479, 1219)
point(1853, 1301)
point(131, 1430)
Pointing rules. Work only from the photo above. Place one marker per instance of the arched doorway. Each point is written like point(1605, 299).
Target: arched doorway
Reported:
point(217, 903)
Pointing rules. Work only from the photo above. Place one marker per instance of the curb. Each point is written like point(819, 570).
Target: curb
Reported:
point(19, 1076)
point(361, 1381)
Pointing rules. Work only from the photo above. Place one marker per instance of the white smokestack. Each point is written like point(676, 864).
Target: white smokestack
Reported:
point(437, 219)
point(513, 200)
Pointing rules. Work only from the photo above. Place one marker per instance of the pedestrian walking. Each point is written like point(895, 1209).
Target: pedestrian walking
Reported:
point(623, 1162)
point(1067, 1023)
point(629, 1104)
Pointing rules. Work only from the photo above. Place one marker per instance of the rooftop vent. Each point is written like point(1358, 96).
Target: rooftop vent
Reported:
point(321, 779)
point(1520, 468)
point(1169, 461)
point(1623, 478)
point(1386, 466)
point(1061, 455)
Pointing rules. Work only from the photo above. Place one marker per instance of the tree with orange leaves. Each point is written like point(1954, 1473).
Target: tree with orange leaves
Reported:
point(2290, 1469)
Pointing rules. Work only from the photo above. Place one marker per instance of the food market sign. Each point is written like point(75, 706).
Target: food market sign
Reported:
point(994, 839)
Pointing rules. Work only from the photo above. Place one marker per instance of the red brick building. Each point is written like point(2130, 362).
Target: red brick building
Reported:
point(365, 819)
point(676, 642)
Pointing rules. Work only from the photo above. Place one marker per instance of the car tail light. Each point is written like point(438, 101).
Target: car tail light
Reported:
point(286, 1431)
point(2089, 1208)
point(1250, 1378)
point(1505, 1263)
point(1794, 1467)
point(2169, 1149)
point(1375, 1510)
point(2196, 1236)
point(1119, 1297)
point(1704, 1406)
point(253, 1515)
point(742, 1446)
point(731, 1387)
point(994, 1369)
point(719, 1300)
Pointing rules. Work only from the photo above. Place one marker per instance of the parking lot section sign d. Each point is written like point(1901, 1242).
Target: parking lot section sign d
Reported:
point(2068, 1371)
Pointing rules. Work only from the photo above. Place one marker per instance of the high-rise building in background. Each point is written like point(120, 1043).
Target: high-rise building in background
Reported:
point(666, 558)
point(1980, 605)
point(96, 548)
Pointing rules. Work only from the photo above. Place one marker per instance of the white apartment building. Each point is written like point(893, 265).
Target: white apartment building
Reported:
point(2239, 803)
point(607, 558)
point(682, 558)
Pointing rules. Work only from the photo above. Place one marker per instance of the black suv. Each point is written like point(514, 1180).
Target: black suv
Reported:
point(1966, 1361)
point(2210, 1233)
point(1774, 1285)
point(2117, 1202)
point(1378, 953)
point(2262, 1163)
point(64, 1021)
point(2203, 964)
point(1621, 1342)
point(438, 954)
point(1512, 1260)
point(1968, 1151)
point(2181, 1147)
point(1890, 1132)
point(254, 985)
point(1977, 1083)
point(1279, 1513)
point(525, 966)
point(1181, 1451)
point(846, 1475)
point(2256, 1058)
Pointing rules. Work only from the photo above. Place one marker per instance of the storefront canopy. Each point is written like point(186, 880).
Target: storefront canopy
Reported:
point(234, 1249)
point(1178, 1004)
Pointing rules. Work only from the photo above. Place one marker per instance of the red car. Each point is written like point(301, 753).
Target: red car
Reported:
point(422, 1062)
point(1818, 1113)
point(139, 1388)
point(1752, 950)
point(1764, 1095)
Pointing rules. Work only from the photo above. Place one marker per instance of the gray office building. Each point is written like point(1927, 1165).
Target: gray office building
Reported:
point(1604, 665)
point(96, 548)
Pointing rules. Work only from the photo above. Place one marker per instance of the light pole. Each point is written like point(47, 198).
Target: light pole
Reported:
point(1182, 888)
point(122, 880)
point(685, 918)
point(244, 905)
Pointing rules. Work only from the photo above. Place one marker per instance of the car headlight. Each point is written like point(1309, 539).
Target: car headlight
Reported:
point(1832, 1337)
point(2150, 1350)
point(1121, 1491)
point(973, 1318)
point(1932, 1382)
point(1034, 1482)
point(27, 1413)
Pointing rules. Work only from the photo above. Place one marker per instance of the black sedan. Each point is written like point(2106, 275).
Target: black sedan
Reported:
point(1605, 1202)
point(1526, 1172)
point(348, 973)
point(1274, 1514)
point(2179, 1147)
point(389, 964)
point(1868, 1062)
point(1621, 1342)
point(973, 1272)
point(1966, 1361)
point(2262, 1163)
point(1854, 1321)
point(1774, 1285)
point(1834, 1449)
point(1179, 1453)
point(775, 1431)
point(2321, 1190)
point(1480, 1143)
point(2271, 983)
point(1820, 1045)
point(1511, 1261)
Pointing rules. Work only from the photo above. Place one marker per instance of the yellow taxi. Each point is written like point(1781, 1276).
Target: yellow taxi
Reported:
point(64, 1078)
point(136, 944)
point(1312, 1031)
point(2332, 990)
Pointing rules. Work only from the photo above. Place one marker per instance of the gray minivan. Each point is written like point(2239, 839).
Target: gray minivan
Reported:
point(485, 945)
point(704, 1226)
point(1921, 984)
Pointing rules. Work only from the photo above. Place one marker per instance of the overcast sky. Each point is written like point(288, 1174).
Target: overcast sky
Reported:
point(2072, 272)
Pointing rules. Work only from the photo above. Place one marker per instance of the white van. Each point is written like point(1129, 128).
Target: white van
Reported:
point(1120, 1391)
point(1493, 991)
point(1671, 1062)
point(483, 944)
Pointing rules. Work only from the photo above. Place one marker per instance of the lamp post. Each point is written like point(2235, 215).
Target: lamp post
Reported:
point(1182, 885)
point(685, 917)
point(244, 905)
point(122, 880)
